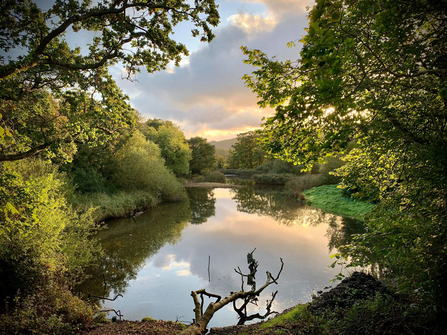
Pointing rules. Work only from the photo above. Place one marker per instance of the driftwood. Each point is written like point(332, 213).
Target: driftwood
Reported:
point(203, 318)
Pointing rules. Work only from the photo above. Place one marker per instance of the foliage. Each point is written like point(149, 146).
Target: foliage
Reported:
point(279, 166)
point(304, 182)
point(139, 166)
point(212, 177)
point(44, 243)
point(50, 309)
point(41, 120)
point(203, 158)
point(246, 153)
point(273, 178)
point(172, 143)
point(328, 170)
point(122, 24)
point(372, 72)
point(53, 95)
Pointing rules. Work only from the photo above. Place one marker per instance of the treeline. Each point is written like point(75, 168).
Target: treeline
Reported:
point(248, 159)
point(51, 207)
point(138, 169)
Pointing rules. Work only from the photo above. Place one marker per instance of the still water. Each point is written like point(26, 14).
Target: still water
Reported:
point(157, 259)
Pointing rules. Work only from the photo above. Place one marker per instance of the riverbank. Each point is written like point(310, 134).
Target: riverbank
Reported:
point(358, 305)
point(212, 185)
point(333, 200)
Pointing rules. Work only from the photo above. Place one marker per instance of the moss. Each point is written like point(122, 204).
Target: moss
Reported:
point(331, 199)
point(147, 319)
point(283, 318)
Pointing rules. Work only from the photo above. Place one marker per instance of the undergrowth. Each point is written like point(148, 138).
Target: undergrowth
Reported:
point(114, 205)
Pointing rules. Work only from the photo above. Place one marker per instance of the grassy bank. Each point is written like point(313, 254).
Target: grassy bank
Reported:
point(332, 200)
point(107, 206)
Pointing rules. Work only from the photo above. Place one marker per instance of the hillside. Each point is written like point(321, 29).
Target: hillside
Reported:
point(225, 144)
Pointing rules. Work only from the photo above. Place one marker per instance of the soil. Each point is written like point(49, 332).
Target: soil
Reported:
point(159, 327)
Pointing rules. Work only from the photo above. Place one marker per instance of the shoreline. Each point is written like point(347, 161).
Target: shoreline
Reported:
point(191, 184)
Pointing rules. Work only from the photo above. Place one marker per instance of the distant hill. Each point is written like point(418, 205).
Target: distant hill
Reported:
point(225, 144)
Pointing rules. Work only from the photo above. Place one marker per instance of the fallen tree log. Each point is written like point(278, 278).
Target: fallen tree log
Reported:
point(203, 318)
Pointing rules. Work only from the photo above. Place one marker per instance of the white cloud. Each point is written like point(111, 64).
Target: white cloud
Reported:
point(206, 96)
point(281, 8)
point(253, 23)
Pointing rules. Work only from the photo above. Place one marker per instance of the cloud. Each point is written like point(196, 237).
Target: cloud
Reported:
point(206, 95)
point(253, 23)
point(282, 8)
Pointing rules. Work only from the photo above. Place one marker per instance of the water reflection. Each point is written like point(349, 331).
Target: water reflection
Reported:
point(158, 260)
point(202, 204)
point(267, 201)
point(127, 244)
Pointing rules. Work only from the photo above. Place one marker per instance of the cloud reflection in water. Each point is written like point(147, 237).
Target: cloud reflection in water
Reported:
point(162, 281)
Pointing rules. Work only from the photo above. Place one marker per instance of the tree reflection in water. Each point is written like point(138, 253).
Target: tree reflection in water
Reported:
point(131, 245)
point(202, 204)
point(128, 243)
point(282, 206)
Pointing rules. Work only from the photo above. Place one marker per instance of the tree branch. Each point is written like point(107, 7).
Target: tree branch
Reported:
point(202, 319)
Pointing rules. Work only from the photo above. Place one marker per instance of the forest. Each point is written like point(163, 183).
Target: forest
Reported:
point(365, 100)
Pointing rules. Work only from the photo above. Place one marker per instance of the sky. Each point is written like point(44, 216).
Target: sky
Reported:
point(206, 96)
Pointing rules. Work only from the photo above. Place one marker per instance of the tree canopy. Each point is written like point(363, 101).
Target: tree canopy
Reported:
point(172, 142)
point(247, 152)
point(202, 155)
point(54, 94)
point(372, 73)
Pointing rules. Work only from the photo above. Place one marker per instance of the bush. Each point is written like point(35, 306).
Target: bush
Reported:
point(140, 167)
point(44, 246)
point(50, 309)
point(272, 178)
point(279, 167)
point(212, 177)
point(327, 169)
point(302, 183)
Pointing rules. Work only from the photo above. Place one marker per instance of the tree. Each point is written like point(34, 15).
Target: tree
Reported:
point(39, 65)
point(172, 143)
point(202, 155)
point(247, 152)
point(203, 318)
point(139, 166)
point(372, 72)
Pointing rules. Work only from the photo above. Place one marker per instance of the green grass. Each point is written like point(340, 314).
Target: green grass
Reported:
point(281, 319)
point(332, 200)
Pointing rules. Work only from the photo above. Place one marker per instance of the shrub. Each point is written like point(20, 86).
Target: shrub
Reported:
point(272, 178)
point(44, 246)
point(140, 167)
point(212, 177)
point(327, 169)
point(279, 166)
point(302, 183)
